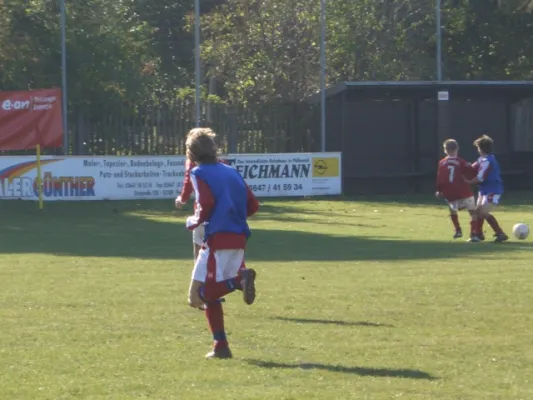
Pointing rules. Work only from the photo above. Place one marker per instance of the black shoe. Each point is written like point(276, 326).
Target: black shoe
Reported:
point(501, 237)
point(458, 234)
point(248, 285)
point(219, 353)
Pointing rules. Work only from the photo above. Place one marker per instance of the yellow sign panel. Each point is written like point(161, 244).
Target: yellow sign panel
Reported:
point(326, 167)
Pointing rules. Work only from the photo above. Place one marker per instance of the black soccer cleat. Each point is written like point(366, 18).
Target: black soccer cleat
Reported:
point(474, 239)
point(223, 353)
point(248, 285)
point(501, 237)
point(458, 234)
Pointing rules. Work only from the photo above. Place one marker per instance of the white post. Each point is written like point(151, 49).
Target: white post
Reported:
point(197, 58)
point(323, 74)
point(63, 23)
point(439, 41)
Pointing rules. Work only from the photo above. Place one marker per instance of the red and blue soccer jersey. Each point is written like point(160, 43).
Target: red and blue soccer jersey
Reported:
point(187, 188)
point(489, 175)
point(223, 203)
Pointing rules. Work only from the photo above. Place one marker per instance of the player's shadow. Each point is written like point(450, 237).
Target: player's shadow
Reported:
point(361, 371)
point(332, 322)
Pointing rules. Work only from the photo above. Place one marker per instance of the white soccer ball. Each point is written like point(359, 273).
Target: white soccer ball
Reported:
point(521, 231)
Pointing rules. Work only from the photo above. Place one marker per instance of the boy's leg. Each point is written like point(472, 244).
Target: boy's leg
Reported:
point(478, 237)
point(224, 266)
point(200, 274)
point(480, 221)
point(196, 251)
point(488, 203)
point(231, 276)
point(198, 240)
point(470, 205)
point(205, 274)
point(480, 218)
point(247, 276)
point(455, 219)
point(215, 318)
point(220, 286)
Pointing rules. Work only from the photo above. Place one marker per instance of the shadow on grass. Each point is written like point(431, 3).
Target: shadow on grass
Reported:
point(274, 245)
point(112, 229)
point(335, 219)
point(332, 322)
point(278, 209)
point(361, 371)
point(275, 206)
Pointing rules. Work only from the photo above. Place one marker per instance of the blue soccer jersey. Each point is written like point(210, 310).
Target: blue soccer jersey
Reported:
point(489, 175)
point(230, 195)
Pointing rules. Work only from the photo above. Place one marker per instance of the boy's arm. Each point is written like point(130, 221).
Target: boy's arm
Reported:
point(468, 170)
point(187, 187)
point(438, 183)
point(252, 204)
point(483, 170)
point(205, 203)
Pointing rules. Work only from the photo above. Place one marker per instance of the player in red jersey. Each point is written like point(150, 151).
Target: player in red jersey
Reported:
point(452, 187)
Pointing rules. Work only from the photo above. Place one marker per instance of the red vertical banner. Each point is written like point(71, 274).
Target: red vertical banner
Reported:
point(29, 118)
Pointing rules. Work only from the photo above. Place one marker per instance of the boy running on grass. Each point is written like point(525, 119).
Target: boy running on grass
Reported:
point(490, 185)
point(451, 185)
point(223, 203)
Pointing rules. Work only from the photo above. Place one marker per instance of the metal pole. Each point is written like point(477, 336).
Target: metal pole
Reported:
point(439, 41)
point(197, 57)
point(323, 74)
point(63, 23)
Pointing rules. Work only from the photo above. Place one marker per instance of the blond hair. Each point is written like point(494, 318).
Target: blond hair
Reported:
point(450, 146)
point(201, 146)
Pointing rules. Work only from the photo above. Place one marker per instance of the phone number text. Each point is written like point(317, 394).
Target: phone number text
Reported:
point(278, 187)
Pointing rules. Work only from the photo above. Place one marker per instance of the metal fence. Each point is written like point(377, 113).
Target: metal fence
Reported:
point(161, 128)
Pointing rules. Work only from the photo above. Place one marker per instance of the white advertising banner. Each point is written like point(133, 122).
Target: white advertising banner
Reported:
point(292, 174)
point(161, 177)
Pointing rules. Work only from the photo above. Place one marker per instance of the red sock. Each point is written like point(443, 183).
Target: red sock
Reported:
point(480, 225)
point(215, 319)
point(455, 220)
point(212, 291)
point(473, 228)
point(493, 224)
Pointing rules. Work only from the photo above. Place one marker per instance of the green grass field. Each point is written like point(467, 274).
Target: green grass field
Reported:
point(365, 299)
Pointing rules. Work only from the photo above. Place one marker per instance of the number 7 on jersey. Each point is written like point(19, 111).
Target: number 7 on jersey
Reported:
point(451, 176)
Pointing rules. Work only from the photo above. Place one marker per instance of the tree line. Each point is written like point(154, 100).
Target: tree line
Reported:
point(256, 50)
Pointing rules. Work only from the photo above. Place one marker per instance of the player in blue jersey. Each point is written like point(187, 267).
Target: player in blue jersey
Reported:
point(223, 203)
point(490, 186)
